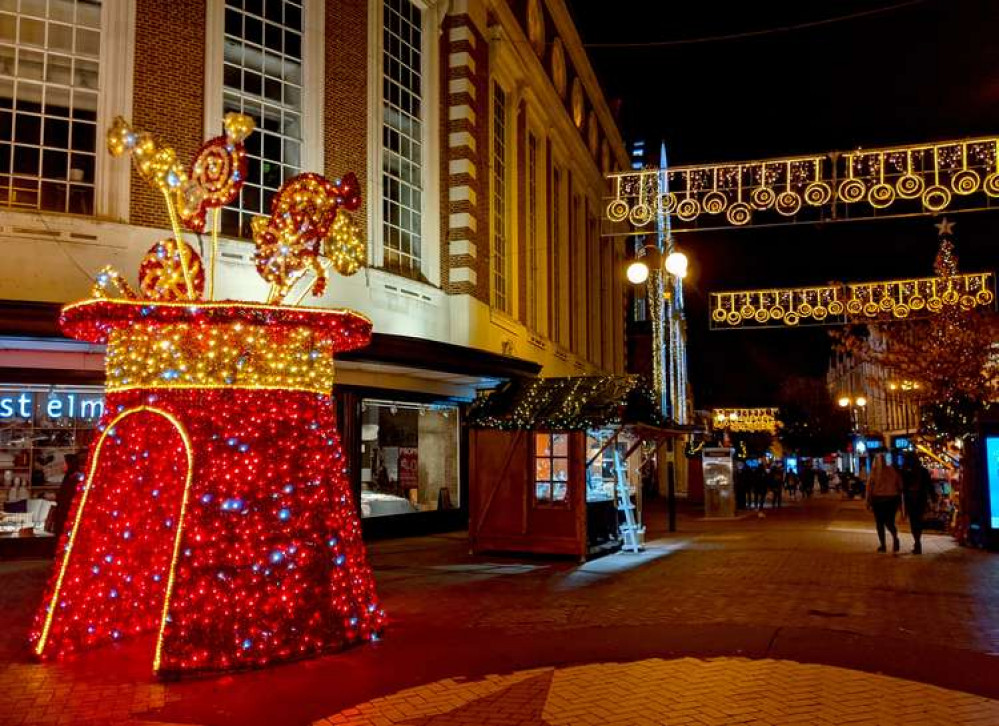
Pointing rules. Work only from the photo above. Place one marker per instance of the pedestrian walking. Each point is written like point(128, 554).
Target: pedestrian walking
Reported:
point(791, 484)
point(917, 490)
point(884, 494)
point(760, 486)
point(777, 485)
point(808, 483)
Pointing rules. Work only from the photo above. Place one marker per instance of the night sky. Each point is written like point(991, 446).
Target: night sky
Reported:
point(920, 71)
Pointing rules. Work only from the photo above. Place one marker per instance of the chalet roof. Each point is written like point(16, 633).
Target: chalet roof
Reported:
point(564, 404)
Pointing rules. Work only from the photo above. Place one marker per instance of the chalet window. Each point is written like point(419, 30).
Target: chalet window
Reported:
point(551, 480)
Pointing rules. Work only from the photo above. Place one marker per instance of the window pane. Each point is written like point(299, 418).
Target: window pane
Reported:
point(543, 469)
point(560, 444)
point(543, 491)
point(402, 134)
point(560, 469)
point(261, 81)
point(560, 491)
point(57, 44)
point(501, 298)
point(542, 443)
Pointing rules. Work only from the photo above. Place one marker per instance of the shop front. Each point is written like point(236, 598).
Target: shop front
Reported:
point(45, 431)
point(400, 406)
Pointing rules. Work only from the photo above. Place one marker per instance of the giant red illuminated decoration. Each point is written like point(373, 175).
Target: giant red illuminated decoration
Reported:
point(215, 513)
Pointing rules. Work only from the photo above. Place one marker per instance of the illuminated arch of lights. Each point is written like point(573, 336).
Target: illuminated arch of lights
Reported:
point(920, 178)
point(745, 419)
point(840, 303)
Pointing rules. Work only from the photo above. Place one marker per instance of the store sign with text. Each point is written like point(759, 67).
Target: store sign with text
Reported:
point(54, 405)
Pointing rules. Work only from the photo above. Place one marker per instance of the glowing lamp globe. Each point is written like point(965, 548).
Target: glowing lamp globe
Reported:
point(638, 272)
point(844, 401)
point(861, 401)
point(676, 264)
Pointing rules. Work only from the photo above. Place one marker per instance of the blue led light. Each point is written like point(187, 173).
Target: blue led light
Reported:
point(284, 514)
point(232, 505)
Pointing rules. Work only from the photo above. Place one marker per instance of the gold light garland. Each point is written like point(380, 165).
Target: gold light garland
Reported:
point(234, 355)
point(840, 303)
point(745, 419)
point(933, 173)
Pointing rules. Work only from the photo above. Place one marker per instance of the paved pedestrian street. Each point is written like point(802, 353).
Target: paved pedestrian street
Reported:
point(681, 691)
point(787, 618)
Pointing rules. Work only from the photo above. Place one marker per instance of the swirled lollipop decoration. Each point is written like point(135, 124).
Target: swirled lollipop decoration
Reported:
point(215, 177)
point(302, 214)
point(158, 165)
point(216, 173)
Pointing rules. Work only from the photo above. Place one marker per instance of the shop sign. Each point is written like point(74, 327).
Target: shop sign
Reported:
point(54, 405)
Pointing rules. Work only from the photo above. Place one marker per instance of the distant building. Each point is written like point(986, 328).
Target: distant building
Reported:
point(891, 409)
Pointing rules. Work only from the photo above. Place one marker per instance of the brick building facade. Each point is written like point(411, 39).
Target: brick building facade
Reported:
point(463, 120)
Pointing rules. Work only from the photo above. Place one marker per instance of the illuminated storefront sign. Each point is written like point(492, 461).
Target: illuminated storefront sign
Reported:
point(52, 405)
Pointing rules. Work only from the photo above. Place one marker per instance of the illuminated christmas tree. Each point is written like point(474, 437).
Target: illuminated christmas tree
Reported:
point(215, 512)
point(950, 355)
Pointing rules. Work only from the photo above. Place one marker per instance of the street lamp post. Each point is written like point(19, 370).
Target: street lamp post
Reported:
point(658, 264)
point(655, 271)
point(855, 404)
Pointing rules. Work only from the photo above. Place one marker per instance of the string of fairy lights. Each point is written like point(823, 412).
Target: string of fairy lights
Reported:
point(927, 178)
point(745, 420)
point(840, 303)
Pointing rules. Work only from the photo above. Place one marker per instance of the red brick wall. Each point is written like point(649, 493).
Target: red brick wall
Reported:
point(345, 110)
point(480, 157)
point(168, 96)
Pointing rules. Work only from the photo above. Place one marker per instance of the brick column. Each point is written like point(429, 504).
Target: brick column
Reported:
point(345, 107)
point(168, 90)
point(465, 151)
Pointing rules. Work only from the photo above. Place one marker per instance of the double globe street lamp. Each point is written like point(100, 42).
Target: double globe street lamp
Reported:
point(675, 264)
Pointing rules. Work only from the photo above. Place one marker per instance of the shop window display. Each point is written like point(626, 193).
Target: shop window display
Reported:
point(42, 431)
point(409, 457)
point(601, 478)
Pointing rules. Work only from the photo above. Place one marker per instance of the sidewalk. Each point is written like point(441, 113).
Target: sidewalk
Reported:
point(792, 597)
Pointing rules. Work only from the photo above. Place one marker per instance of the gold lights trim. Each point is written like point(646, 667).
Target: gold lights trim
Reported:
point(232, 355)
point(199, 305)
point(189, 449)
point(840, 303)
point(745, 419)
point(172, 575)
point(932, 173)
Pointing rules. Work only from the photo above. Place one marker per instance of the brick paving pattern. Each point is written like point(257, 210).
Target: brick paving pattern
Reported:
point(687, 691)
point(800, 591)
